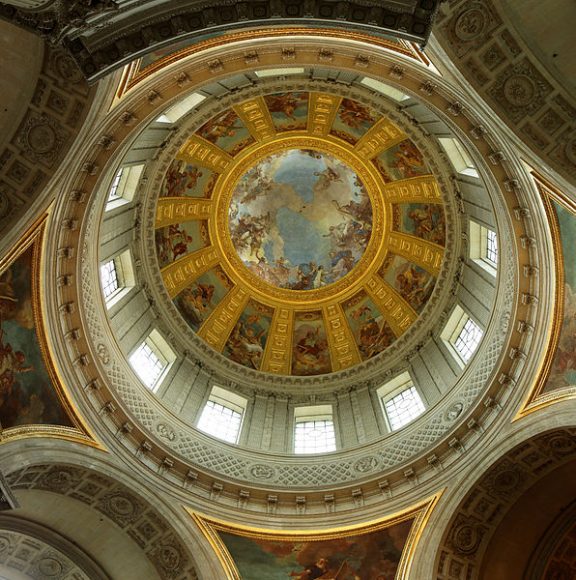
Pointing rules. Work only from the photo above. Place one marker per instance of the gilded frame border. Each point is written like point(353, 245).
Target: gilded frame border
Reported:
point(80, 432)
point(421, 512)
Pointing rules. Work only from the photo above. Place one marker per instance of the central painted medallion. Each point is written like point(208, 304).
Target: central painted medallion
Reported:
point(300, 219)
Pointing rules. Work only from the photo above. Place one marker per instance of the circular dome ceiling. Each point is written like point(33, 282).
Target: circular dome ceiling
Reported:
point(300, 233)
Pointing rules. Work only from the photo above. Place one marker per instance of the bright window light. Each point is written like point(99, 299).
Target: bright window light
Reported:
point(222, 415)
point(117, 278)
point(484, 247)
point(151, 360)
point(315, 436)
point(403, 408)
point(109, 276)
point(278, 72)
point(314, 429)
point(468, 340)
point(220, 421)
point(384, 89)
point(113, 194)
point(491, 247)
point(458, 156)
point(177, 111)
point(124, 185)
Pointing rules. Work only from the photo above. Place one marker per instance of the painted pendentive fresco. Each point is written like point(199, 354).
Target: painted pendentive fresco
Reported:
point(289, 111)
point(371, 556)
point(563, 370)
point(368, 326)
point(352, 121)
point(197, 301)
point(425, 221)
point(27, 395)
point(300, 219)
point(227, 131)
point(401, 161)
point(186, 180)
point(177, 240)
point(412, 282)
point(248, 338)
point(310, 352)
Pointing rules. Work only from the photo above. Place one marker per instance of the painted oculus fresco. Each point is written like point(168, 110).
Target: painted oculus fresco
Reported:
point(300, 219)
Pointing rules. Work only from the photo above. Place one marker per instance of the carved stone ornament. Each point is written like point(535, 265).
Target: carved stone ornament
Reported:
point(169, 558)
point(366, 464)
point(103, 353)
point(466, 538)
point(120, 507)
point(454, 411)
point(166, 432)
point(261, 471)
point(470, 24)
point(41, 139)
point(60, 15)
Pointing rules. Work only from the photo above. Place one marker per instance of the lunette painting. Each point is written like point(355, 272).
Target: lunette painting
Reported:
point(27, 395)
point(371, 556)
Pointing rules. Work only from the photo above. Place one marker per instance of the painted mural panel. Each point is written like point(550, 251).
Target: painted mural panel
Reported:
point(563, 370)
point(177, 240)
point(401, 161)
point(371, 556)
point(289, 111)
point(27, 394)
point(310, 352)
point(370, 330)
point(248, 337)
point(426, 221)
point(197, 301)
point(227, 131)
point(186, 180)
point(353, 120)
point(413, 283)
point(300, 219)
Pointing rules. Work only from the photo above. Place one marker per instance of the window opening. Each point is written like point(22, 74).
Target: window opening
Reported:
point(491, 247)
point(314, 430)
point(403, 408)
point(468, 340)
point(109, 276)
point(222, 415)
point(152, 359)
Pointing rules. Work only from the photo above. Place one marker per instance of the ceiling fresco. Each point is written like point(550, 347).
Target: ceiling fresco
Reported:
point(300, 233)
point(300, 219)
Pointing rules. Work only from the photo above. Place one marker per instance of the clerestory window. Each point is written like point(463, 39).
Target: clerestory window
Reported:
point(222, 415)
point(152, 359)
point(314, 429)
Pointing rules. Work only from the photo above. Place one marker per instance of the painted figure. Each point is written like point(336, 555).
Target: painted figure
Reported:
point(354, 114)
point(172, 242)
point(247, 340)
point(408, 160)
point(285, 103)
point(224, 125)
point(374, 335)
point(428, 222)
